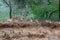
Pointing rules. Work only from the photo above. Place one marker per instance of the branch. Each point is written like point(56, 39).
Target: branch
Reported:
point(6, 2)
point(52, 13)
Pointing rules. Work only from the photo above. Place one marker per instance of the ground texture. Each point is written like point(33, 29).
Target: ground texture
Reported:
point(29, 33)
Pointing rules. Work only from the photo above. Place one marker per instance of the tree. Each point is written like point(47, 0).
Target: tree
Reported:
point(9, 5)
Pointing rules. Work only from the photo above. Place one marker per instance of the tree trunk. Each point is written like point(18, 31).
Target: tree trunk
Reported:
point(47, 14)
point(10, 8)
point(10, 12)
point(59, 10)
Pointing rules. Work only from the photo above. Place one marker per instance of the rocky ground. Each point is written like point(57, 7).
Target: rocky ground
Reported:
point(29, 33)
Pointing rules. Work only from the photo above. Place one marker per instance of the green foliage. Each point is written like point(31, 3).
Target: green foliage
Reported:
point(38, 9)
